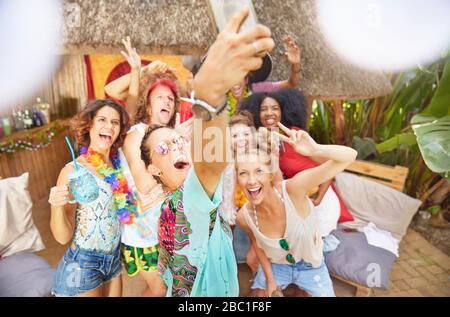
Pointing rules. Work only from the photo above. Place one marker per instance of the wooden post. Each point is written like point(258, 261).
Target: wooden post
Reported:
point(309, 102)
point(339, 122)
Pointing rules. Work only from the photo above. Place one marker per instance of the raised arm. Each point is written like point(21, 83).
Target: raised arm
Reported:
point(126, 87)
point(62, 219)
point(338, 158)
point(229, 60)
point(144, 181)
point(293, 56)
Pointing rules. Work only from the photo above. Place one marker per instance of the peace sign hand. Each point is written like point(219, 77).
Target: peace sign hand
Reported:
point(131, 54)
point(300, 140)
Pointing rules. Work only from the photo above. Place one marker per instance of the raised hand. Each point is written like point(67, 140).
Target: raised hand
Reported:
point(292, 51)
point(300, 140)
point(158, 67)
point(59, 196)
point(231, 57)
point(131, 54)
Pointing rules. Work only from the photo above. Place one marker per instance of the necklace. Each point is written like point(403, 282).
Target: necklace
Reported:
point(123, 200)
point(254, 207)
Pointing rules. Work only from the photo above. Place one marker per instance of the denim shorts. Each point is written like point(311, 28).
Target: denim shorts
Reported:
point(315, 281)
point(81, 271)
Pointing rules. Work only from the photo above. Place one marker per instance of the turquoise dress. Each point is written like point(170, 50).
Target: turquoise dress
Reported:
point(196, 255)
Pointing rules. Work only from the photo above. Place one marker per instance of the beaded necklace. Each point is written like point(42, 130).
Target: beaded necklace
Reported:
point(254, 207)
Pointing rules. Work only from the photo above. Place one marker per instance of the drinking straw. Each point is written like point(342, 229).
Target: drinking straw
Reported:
point(73, 154)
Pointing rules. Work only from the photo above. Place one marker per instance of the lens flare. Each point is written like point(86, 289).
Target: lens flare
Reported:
point(30, 33)
point(385, 34)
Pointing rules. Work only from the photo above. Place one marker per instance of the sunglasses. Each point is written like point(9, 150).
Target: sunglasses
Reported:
point(163, 147)
point(285, 246)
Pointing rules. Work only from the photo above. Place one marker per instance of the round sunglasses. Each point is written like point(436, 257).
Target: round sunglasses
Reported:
point(163, 147)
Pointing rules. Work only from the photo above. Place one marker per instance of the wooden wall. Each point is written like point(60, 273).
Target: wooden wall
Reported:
point(43, 165)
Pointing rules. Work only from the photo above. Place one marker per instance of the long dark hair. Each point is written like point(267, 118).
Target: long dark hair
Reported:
point(292, 103)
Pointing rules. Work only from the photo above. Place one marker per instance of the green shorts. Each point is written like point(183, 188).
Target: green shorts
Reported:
point(139, 259)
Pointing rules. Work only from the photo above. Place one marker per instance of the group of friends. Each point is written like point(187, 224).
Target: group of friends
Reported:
point(173, 194)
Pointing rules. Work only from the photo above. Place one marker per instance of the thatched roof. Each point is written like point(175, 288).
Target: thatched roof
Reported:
point(186, 27)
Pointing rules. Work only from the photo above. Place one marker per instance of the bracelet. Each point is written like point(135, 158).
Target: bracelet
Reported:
point(202, 109)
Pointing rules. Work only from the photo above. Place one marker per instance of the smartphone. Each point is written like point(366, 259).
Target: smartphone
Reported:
point(224, 9)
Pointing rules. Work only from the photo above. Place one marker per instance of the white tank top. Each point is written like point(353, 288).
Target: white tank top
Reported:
point(302, 235)
point(143, 232)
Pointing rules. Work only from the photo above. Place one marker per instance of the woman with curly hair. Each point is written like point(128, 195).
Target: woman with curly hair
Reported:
point(91, 265)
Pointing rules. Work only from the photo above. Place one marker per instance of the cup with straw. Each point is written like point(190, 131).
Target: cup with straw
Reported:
point(82, 183)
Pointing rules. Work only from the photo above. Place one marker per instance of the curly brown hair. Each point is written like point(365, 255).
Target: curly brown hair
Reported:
point(81, 123)
point(145, 83)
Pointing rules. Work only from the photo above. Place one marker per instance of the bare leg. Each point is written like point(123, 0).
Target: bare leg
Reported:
point(257, 292)
point(252, 260)
point(298, 292)
point(113, 288)
point(156, 286)
point(94, 293)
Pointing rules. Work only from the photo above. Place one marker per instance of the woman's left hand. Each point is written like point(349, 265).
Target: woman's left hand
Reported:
point(292, 50)
point(300, 140)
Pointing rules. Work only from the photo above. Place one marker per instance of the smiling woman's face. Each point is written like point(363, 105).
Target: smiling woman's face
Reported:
point(170, 156)
point(105, 129)
point(254, 177)
point(270, 113)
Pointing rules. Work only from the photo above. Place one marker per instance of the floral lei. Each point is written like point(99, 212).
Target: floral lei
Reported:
point(232, 102)
point(124, 202)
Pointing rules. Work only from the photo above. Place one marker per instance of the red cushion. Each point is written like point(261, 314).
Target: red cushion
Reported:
point(291, 163)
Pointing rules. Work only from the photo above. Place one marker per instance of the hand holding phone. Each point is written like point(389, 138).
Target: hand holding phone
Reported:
point(224, 9)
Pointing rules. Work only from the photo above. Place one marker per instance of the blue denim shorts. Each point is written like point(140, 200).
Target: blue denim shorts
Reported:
point(315, 281)
point(81, 271)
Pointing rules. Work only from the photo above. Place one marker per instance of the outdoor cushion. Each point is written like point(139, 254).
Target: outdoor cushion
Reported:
point(17, 230)
point(25, 275)
point(357, 261)
point(370, 201)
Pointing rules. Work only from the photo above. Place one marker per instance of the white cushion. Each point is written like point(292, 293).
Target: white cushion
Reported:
point(369, 201)
point(17, 230)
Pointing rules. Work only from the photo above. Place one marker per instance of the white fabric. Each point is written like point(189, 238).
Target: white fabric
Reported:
point(143, 233)
point(140, 127)
point(380, 238)
point(328, 212)
point(302, 235)
point(228, 208)
point(17, 230)
point(369, 201)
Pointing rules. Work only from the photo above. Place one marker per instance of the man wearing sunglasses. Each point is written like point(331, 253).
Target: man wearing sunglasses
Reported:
point(196, 254)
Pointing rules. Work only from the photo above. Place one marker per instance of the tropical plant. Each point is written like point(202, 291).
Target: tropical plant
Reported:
point(410, 127)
